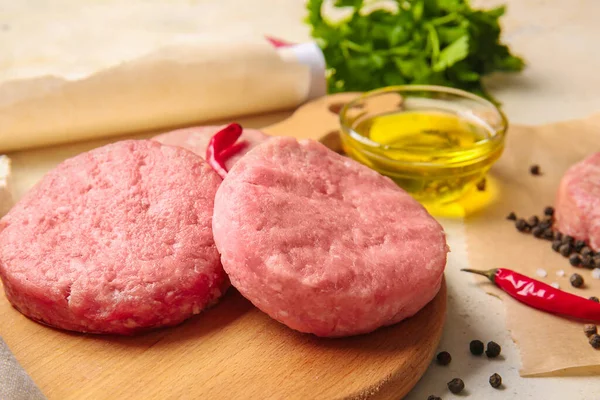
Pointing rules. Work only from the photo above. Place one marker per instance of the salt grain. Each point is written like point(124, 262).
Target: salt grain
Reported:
point(560, 272)
point(596, 273)
point(541, 272)
point(555, 285)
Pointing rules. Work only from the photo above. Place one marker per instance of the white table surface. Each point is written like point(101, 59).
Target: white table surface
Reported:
point(559, 40)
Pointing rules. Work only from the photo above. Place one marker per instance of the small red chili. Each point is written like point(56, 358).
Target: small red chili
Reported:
point(222, 146)
point(542, 296)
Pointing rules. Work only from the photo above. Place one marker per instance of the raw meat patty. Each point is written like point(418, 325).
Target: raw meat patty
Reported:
point(115, 240)
point(324, 244)
point(578, 201)
point(196, 139)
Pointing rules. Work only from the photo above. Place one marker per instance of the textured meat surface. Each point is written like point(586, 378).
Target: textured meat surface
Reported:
point(578, 201)
point(197, 138)
point(324, 244)
point(115, 240)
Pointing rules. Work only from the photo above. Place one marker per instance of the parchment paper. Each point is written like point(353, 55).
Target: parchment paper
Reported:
point(549, 345)
point(175, 85)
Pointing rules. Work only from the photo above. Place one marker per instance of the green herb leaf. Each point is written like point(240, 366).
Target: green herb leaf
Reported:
point(372, 43)
point(452, 54)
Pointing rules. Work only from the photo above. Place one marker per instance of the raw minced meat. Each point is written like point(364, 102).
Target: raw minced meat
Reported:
point(115, 240)
point(324, 244)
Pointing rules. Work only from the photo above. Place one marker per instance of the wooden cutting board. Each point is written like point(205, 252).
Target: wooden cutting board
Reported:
point(232, 351)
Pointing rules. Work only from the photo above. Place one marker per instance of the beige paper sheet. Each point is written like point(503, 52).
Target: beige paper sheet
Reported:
point(549, 345)
point(173, 86)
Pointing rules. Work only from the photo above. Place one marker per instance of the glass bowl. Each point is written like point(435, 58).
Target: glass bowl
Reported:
point(434, 164)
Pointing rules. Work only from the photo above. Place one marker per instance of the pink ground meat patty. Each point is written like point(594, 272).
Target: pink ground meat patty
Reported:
point(324, 244)
point(115, 240)
point(196, 139)
point(578, 202)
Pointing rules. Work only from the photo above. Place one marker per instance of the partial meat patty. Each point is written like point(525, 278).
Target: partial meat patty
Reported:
point(197, 138)
point(578, 201)
point(324, 244)
point(115, 240)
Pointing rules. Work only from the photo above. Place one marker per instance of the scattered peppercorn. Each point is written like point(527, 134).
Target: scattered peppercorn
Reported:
point(496, 381)
point(576, 280)
point(594, 299)
point(545, 224)
point(587, 262)
point(432, 397)
point(548, 234)
point(522, 225)
point(596, 260)
point(538, 231)
point(565, 250)
point(444, 358)
point(476, 347)
point(566, 239)
point(575, 260)
point(558, 235)
point(590, 329)
point(493, 350)
point(556, 245)
point(549, 211)
point(534, 169)
point(456, 385)
point(586, 251)
point(595, 341)
point(512, 216)
point(533, 221)
point(579, 245)
point(481, 185)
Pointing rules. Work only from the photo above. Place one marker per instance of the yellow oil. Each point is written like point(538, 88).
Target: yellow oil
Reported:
point(436, 156)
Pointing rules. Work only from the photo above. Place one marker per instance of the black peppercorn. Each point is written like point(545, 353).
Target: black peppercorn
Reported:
point(534, 169)
point(444, 358)
point(566, 239)
point(565, 250)
point(493, 350)
point(575, 260)
point(456, 385)
point(595, 341)
point(533, 221)
point(556, 245)
point(512, 216)
point(576, 280)
point(558, 235)
point(538, 231)
point(496, 381)
point(594, 299)
point(522, 225)
point(548, 234)
point(579, 245)
point(590, 329)
point(587, 262)
point(549, 211)
point(596, 261)
point(476, 347)
point(432, 397)
point(586, 251)
point(545, 224)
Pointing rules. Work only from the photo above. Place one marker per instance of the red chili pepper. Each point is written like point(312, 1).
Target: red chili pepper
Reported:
point(222, 146)
point(541, 295)
point(278, 42)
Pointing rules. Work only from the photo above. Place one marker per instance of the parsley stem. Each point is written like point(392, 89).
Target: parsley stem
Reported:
point(435, 43)
point(444, 20)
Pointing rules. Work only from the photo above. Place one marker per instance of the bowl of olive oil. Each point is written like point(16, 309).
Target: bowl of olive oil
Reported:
point(435, 142)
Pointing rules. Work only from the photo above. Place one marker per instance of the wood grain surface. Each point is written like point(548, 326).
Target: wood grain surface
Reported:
point(232, 351)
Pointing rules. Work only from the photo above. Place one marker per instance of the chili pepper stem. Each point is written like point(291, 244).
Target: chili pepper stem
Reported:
point(490, 273)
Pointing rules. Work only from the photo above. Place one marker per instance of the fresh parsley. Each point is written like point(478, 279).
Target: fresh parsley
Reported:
point(369, 44)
